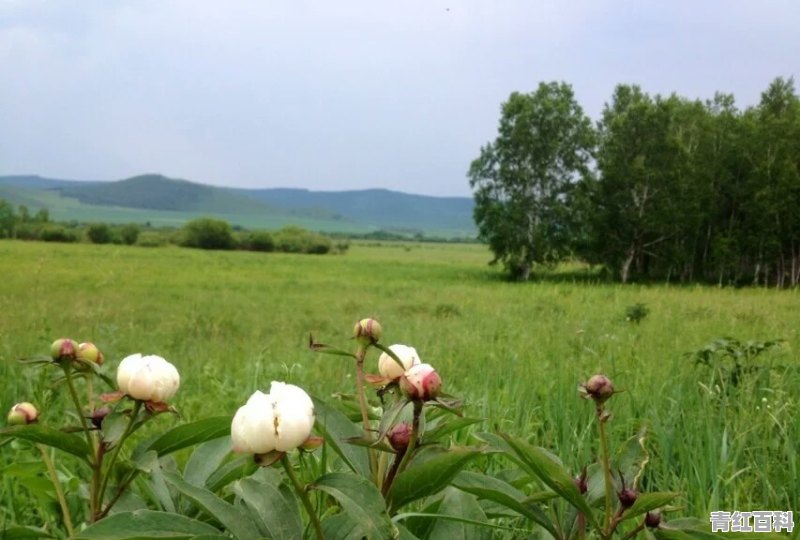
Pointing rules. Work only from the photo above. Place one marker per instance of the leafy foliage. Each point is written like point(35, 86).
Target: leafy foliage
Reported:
point(522, 180)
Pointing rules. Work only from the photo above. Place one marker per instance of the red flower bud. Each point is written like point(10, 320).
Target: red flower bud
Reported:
point(421, 383)
point(63, 349)
point(598, 388)
point(653, 519)
point(627, 496)
point(399, 436)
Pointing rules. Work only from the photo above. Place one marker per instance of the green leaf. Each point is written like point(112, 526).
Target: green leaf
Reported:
point(390, 415)
point(18, 532)
point(205, 459)
point(36, 433)
point(114, 426)
point(143, 524)
point(233, 470)
point(274, 508)
point(185, 435)
point(341, 527)
point(360, 500)
point(337, 428)
point(552, 473)
point(461, 517)
point(648, 501)
point(407, 515)
point(447, 427)
point(633, 457)
point(232, 518)
point(429, 472)
point(327, 349)
point(494, 489)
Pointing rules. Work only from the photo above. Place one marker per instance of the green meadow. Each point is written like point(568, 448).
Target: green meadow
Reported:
point(233, 321)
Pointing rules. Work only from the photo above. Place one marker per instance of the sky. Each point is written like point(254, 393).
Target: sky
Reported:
point(335, 95)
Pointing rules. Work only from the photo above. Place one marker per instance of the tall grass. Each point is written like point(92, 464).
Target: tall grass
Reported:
point(233, 321)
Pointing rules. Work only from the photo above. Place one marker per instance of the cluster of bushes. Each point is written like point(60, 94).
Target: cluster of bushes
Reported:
point(209, 233)
point(203, 233)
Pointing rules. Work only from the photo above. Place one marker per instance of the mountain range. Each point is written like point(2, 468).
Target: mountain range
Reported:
point(164, 201)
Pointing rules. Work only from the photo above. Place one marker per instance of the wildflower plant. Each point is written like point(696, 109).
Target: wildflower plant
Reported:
point(381, 463)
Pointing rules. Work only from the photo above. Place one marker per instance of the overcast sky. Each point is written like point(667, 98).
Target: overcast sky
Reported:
point(336, 95)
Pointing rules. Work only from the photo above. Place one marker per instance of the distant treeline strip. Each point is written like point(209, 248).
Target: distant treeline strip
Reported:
point(203, 233)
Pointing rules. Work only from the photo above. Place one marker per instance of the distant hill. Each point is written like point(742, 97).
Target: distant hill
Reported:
point(156, 192)
point(161, 200)
point(379, 208)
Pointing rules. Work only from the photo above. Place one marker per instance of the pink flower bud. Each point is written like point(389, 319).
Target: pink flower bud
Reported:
point(399, 436)
point(63, 349)
point(22, 414)
point(421, 382)
point(88, 352)
point(367, 332)
point(598, 388)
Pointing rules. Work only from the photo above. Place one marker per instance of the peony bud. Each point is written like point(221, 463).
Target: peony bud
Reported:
point(63, 349)
point(367, 332)
point(390, 369)
point(399, 436)
point(88, 352)
point(652, 519)
point(148, 378)
point(98, 415)
point(421, 382)
point(598, 387)
point(281, 420)
point(627, 496)
point(22, 414)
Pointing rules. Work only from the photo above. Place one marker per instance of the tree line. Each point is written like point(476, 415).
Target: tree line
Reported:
point(661, 188)
point(202, 233)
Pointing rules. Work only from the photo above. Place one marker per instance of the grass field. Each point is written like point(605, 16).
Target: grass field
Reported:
point(233, 321)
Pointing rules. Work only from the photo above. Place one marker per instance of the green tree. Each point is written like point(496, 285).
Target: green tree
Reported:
point(99, 233)
point(208, 233)
point(522, 180)
point(8, 220)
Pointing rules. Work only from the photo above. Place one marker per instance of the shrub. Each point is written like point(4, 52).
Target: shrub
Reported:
point(128, 234)
point(55, 233)
point(299, 240)
point(260, 241)
point(99, 233)
point(151, 239)
point(208, 233)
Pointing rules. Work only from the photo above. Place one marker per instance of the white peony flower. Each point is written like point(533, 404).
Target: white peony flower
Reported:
point(149, 378)
point(390, 369)
point(421, 382)
point(281, 420)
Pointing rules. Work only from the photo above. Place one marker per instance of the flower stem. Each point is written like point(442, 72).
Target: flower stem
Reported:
point(412, 444)
point(62, 501)
point(94, 459)
point(301, 492)
point(77, 402)
point(137, 405)
point(609, 482)
point(362, 402)
point(634, 532)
